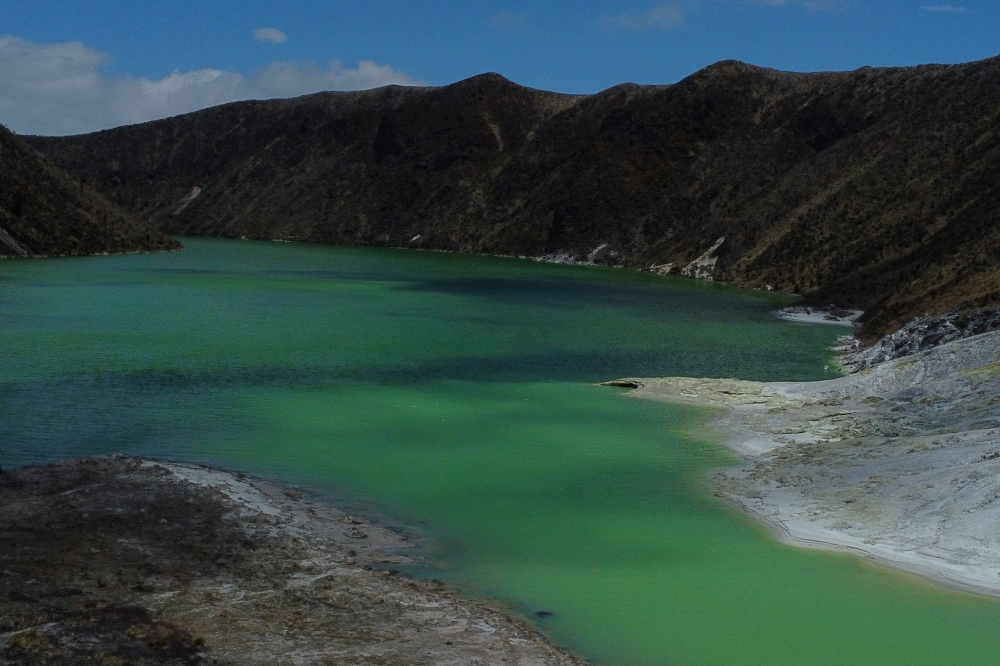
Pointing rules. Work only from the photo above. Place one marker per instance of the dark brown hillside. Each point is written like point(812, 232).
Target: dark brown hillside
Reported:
point(46, 212)
point(876, 188)
point(374, 167)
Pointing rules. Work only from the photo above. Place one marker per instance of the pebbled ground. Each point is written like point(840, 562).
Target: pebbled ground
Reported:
point(125, 561)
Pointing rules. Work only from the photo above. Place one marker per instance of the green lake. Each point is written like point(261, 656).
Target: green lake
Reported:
point(457, 394)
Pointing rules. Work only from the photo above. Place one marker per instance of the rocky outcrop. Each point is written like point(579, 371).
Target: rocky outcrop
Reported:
point(10, 247)
point(922, 334)
point(873, 189)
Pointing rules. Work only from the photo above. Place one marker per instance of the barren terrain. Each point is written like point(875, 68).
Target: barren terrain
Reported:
point(125, 561)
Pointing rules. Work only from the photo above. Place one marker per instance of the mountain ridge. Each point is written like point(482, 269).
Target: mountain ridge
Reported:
point(872, 189)
point(46, 212)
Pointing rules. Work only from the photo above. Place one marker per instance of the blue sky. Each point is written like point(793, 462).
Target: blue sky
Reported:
point(76, 66)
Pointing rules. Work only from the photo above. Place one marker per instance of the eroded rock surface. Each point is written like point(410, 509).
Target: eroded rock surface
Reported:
point(922, 334)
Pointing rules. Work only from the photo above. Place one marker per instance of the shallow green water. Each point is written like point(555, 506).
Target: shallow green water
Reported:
point(456, 393)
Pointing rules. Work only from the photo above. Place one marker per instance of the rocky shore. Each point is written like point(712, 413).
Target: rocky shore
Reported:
point(921, 334)
point(128, 561)
point(899, 462)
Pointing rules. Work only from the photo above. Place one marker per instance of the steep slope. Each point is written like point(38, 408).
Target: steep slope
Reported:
point(874, 189)
point(46, 212)
point(373, 167)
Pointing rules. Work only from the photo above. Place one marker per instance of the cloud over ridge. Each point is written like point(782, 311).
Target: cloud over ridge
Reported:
point(60, 89)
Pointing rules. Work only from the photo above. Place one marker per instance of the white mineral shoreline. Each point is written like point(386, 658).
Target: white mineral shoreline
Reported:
point(802, 534)
point(899, 464)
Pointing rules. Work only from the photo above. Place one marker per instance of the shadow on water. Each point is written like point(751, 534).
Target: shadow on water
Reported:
point(590, 367)
point(635, 296)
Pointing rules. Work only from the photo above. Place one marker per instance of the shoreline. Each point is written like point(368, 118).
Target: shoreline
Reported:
point(898, 465)
point(928, 571)
point(143, 561)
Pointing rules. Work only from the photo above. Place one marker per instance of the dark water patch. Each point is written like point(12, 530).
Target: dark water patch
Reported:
point(644, 298)
point(91, 407)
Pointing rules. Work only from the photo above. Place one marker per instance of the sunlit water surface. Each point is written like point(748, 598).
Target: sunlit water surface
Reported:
point(456, 394)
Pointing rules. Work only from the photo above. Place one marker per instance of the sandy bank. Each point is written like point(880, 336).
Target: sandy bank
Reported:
point(899, 463)
point(125, 561)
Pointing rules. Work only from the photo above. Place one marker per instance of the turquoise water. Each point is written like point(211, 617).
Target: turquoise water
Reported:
point(457, 394)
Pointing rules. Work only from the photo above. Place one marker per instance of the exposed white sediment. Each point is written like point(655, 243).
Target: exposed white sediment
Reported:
point(899, 463)
point(191, 196)
point(6, 240)
point(703, 268)
point(823, 315)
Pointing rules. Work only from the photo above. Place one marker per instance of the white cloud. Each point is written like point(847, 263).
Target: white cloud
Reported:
point(945, 9)
point(60, 89)
point(286, 79)
point(664, 17)
point(270, 35)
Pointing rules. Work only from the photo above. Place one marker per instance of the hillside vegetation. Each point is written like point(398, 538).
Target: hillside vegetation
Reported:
point(876, 189)
point(46, 212)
